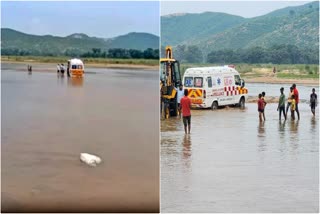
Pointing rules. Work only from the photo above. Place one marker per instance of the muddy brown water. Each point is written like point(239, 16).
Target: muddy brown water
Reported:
point(232, 163)
point(48, 121)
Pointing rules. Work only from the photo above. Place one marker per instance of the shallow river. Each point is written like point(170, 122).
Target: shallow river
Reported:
point(232, 163)
point(48, 121)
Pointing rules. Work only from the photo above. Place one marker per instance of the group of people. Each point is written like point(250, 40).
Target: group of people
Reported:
point(184, 105)
point(61, 69)
point(292, 103)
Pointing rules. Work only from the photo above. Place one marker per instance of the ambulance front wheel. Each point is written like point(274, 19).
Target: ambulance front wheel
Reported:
point(214, 105)
point(242, 102)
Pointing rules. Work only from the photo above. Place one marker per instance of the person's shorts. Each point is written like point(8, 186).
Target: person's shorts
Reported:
point(261, 110)
point(313, 105)
point(187, 119)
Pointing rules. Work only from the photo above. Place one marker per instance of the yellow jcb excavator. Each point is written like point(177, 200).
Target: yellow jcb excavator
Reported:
point(170, 80)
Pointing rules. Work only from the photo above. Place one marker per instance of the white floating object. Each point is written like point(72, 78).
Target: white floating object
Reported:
point(89, 159)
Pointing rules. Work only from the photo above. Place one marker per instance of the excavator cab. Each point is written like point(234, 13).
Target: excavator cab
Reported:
point(170, 79)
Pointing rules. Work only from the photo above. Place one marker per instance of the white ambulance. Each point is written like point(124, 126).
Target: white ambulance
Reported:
point(210, 87)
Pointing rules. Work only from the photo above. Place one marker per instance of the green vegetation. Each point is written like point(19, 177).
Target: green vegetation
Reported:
point(120, 53)
point(18, 43)
point(288, 71)
point(278, 54)
point(298, 76)
point(285, 36)
point(50, 59)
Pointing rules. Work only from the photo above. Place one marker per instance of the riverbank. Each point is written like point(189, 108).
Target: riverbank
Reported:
point(263, 73)
point(147, 64)
point(276, 80)
point(299, 74)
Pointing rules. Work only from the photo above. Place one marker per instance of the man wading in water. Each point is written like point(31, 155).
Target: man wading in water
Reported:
point(289, 99)
point(260, 107)
point(282, 104)
point(296, 97)
point(264, 104)
point(185, 105)
point(313, 101)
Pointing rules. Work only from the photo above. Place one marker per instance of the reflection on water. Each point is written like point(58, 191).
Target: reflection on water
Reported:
point(46, 125)
point(75, 81)
point(261, 130)
point(281, 126)
point(187, 150)
point(313, 123)
point(294, 124)
point(60, 80)
point(231, 162)
point(294, 136)
point(262, 144)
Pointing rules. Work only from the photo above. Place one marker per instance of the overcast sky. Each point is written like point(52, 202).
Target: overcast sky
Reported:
point(245, 9)
point(100, 19)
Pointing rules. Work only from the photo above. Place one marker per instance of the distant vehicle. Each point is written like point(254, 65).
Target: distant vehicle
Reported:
point(211, 87)
point(75, 68)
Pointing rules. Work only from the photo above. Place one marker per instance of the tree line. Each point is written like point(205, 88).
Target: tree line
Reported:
point(93, 53)
point(277, 54)
point(123, 53)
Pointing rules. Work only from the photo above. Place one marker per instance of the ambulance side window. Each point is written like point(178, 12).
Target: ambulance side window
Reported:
point(213, 81)
point(237, 80)
point(209, 82)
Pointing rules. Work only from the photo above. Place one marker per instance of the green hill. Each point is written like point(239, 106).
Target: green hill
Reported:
point(184, 28)
point(297, 26)
point(139, 41)
point(79, 43)
point(290, 26)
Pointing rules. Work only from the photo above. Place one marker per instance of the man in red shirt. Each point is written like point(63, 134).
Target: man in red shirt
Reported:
point(296, 97)
point(185, 105)
point(260, 107)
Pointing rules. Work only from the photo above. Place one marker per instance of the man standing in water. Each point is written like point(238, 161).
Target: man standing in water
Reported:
point(68, 68)
point(179, 96)
point(296, 97)
point(313, 102)
point(293, 107)
point(289, 99)
point(260, 107)
point(282, 104)
point(185, 105)
point(264, 104)
point(58, 68)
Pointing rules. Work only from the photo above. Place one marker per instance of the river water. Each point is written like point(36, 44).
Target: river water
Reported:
point(47, 121)
point(233, 163)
